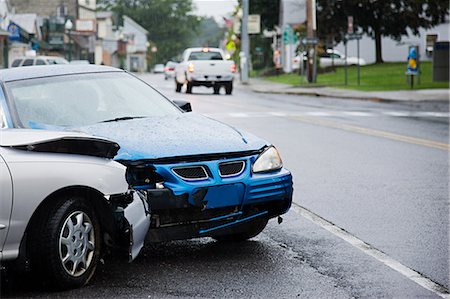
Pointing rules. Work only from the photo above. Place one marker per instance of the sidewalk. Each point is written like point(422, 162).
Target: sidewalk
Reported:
point(264, 86)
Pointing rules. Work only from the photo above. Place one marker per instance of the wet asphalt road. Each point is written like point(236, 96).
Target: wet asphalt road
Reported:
point(376, 170)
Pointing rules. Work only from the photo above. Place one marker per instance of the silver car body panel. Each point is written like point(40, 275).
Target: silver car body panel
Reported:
point(36, 175)
point(18, 137)
point(5, 201)
point(138, 218)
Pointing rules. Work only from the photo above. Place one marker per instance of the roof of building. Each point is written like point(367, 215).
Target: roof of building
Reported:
point(32, 72)
point(134, 24)
point(26, 21)
point(104, 14)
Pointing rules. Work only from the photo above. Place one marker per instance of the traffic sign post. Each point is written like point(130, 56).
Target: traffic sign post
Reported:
point(412, 69)
point(347, 37)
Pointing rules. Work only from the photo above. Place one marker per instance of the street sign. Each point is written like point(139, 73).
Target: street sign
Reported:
point(289, 37)
point(310, 41)
point(14, 32)
point(231, 47)
point(85, 25)
point(254, 24)
point(412, 67)
point(353, 36)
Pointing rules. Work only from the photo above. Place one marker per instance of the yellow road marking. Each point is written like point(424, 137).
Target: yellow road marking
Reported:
point(372, 132)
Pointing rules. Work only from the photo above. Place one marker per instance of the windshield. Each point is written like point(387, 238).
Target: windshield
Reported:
point(85, 99)
point(205, 56)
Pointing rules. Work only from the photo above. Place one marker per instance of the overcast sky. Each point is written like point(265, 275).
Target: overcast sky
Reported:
point(215, 8)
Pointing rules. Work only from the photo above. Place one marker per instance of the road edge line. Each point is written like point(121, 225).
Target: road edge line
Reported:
point(368, 249)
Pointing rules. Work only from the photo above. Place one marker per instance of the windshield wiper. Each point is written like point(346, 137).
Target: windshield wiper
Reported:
point(121, 118)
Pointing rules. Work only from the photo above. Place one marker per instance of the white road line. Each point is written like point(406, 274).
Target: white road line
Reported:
point(432, 114)
point(396, 113)
point(281, 114)
point(357, 113)
point(368, 249)
point(238, 114)
point(318, 113)
point(329, 114)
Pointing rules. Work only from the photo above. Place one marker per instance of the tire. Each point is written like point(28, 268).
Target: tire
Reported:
point(178, 86)
point(248, 231)
point(216, 89)
point(229, 88)
point(189, 87)
point(67, 244)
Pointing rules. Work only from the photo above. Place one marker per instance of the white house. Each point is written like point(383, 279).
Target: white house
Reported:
point(293, 12)
point(137, 45)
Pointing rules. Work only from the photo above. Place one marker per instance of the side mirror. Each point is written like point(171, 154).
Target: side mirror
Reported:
point(184, 105)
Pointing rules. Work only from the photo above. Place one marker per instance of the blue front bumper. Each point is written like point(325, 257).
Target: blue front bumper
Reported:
point(185, 209)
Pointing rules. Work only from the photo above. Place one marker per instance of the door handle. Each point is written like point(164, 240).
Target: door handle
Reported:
point(2, 226)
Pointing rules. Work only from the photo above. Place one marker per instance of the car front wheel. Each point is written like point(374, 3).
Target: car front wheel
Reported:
point(67, 244)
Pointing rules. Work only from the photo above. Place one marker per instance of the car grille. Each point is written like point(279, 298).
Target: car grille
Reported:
point(234, 168)
point(191, 173)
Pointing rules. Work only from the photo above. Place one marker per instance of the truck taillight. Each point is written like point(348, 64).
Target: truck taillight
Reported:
point(233, 68)
point(191, 67)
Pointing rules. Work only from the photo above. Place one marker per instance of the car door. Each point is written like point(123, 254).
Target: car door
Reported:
point(5, 200)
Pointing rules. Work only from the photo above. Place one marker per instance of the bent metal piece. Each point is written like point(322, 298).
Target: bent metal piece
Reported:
point(138, 217)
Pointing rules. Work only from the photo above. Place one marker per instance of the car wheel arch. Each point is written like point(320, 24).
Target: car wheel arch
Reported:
point(93, 197)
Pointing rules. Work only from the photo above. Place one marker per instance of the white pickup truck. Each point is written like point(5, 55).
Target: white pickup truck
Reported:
point(205, 67)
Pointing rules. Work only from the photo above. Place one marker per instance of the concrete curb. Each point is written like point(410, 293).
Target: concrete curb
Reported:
point(424, 95)
point(318, 94)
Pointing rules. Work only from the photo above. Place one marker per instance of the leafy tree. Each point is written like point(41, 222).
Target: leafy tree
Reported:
point(379, 18)
point(170, 23)
point(269, 10)
point(209, 33)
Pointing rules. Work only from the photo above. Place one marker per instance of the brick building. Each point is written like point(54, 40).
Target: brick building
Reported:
point(79, 42)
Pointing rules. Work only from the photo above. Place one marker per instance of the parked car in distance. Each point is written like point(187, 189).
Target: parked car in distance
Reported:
point(169, 70)
point(200, 177)
point(38, 60)
point(79, 62)
point(301, 57)
point(63, 201)
point(334, 57)
point(158, 68)
point(205, 67)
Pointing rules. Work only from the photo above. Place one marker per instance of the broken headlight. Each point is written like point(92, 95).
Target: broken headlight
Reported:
point(269, 160)
point(142, 175)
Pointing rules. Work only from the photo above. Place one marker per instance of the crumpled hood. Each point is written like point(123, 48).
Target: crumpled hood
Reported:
point(181, 135)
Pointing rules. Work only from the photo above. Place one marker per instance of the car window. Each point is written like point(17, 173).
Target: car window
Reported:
point(79, 100)
point(335, 56)
point(205, 56)
point(57, 60)
point(28, 62)
point(16, 62)
point(40, 62)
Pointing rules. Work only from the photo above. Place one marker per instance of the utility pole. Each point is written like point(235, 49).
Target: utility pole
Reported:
point(245, 52)
point(311, 34)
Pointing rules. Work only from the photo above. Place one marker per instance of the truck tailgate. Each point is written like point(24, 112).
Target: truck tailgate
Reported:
point(211, 67)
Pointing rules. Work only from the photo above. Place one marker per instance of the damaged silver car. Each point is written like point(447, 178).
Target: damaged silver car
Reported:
point(63, 198)
point(198, 176)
